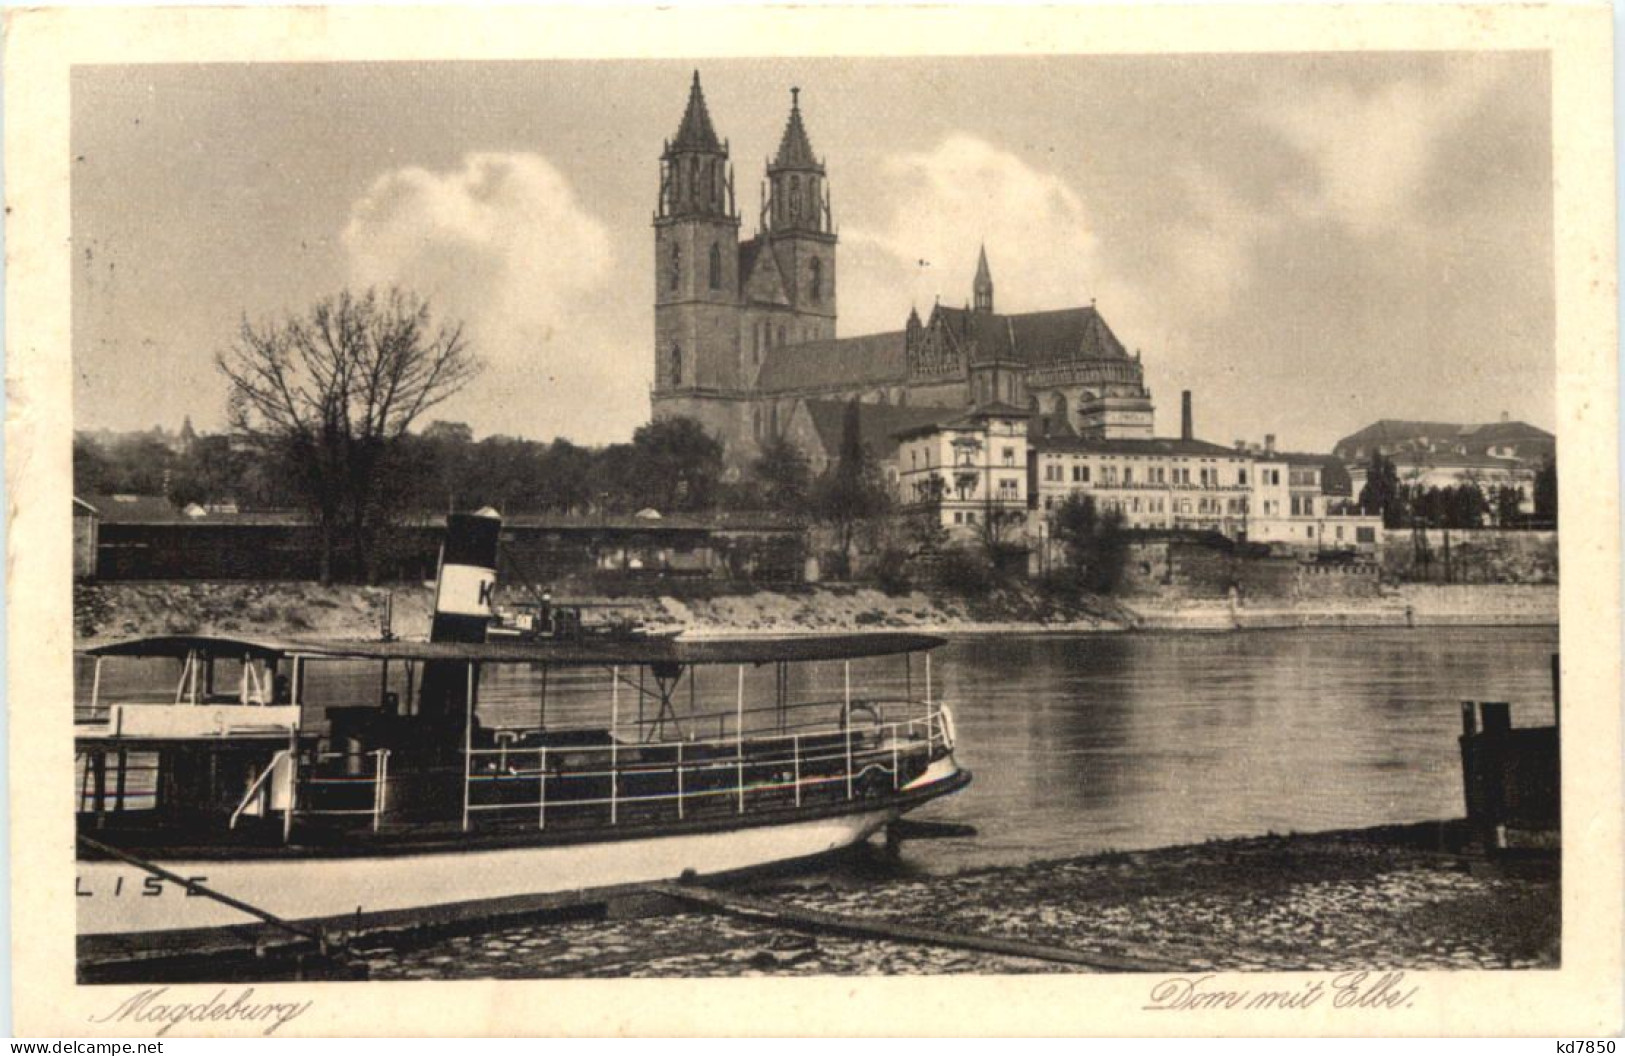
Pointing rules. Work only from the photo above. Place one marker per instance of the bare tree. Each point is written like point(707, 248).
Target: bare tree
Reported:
point(333, 392)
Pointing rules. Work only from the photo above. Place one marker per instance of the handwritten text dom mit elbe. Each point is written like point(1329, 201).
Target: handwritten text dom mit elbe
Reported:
point(1350, 990)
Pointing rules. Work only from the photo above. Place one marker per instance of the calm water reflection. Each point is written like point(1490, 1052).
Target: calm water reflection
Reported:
point(1084, 743)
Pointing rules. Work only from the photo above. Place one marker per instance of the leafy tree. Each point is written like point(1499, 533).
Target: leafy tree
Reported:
point(674, 465)
point(1460, 506)
point(1095, 544)
point(1466, 506)
point(783, 475)
point(926, 532)
point(1546, 490)
point(566, 477)
point(995, 526)
point(851, 491)
point(210, 472)
point(333, 393)
point(451, 433)
point(92, 469)
point(1382, 493)
point(1508, 505)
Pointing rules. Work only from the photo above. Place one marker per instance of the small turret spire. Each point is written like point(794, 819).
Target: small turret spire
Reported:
point(695, 132)
point(795, 149)
point(984, 283)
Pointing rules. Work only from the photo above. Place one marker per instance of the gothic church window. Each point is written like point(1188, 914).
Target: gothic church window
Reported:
point(676, 365)
point(795, 197)
point(781, 334)
point(816, 268)
point(716, 267)
point(676, 265)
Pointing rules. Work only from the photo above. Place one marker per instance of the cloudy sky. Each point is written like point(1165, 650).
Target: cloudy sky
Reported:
point(1308, 242)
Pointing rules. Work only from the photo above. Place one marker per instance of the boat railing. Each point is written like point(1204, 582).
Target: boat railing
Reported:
point(347, 784)
point(766, 768)
point(801, 715)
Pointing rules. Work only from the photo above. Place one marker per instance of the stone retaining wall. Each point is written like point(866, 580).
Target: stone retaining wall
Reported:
point(1476, 556)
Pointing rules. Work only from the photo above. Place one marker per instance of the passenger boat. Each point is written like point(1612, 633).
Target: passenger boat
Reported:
point(449, 777)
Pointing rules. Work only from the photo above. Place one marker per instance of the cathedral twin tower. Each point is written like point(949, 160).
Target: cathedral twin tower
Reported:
point(722, 304)
point(745, 329)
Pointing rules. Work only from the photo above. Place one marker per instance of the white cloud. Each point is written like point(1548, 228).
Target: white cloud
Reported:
point(503, 244)
point(1370, 151)
point(1212, 249)
point(1043, 247)
point(1040, 243)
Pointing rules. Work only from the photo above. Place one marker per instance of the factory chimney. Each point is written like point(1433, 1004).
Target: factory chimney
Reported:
point(1185, 430)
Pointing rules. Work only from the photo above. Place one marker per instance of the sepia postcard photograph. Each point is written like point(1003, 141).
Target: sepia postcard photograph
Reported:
point(1050, 513)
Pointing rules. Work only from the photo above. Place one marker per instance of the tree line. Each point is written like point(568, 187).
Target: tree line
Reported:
point(327, 412)
point(1467, 505)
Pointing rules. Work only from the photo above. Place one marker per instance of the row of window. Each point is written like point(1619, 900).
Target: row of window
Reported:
point(991, 388)
point(793, 200)
point(815, 272)
point(964, 455)
point(707, 184)
point(764, 338)
point(1142, 458)
point(1109, 476)
point(1156, 504)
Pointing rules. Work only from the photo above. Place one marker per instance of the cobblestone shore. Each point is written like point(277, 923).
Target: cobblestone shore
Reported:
point(1376, 899)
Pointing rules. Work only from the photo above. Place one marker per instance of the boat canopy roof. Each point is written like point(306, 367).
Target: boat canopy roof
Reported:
point(629, 652)
point(180, 646)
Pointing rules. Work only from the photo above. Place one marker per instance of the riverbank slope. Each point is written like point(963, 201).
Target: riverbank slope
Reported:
point(118, 610)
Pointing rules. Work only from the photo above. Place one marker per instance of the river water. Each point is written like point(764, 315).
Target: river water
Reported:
point(1085, 743)
point(1129, 741)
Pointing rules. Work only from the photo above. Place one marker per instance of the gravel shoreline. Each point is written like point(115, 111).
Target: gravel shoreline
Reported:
point(1397, 897)
point(111, 611)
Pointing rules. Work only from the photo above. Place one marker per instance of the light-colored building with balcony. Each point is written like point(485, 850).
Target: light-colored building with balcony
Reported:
point(975, 466)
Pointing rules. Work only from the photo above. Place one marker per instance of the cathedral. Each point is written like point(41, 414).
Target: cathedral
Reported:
point(745, 329)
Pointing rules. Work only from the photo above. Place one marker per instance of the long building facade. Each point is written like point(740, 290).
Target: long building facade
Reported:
point(745, 328)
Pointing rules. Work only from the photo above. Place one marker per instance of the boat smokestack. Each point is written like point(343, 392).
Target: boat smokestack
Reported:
point(464, 592)
point(1186, 428)
point(465, 588)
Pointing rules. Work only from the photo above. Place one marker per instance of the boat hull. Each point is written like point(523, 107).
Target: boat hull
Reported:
point(120, 899)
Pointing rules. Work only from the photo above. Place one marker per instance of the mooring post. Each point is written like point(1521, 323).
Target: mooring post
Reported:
point(894, 842)
point(1557, 691)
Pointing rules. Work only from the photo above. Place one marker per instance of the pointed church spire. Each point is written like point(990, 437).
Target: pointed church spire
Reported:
point(795, 149)
point(799, 202)
point(696, 178)
point(696, 133)
point(984, 283)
